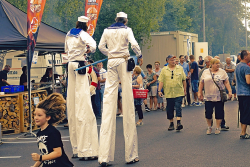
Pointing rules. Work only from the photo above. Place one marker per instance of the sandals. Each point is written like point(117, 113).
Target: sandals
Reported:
point(133, 161)
point(139, 123)
point(246, 136)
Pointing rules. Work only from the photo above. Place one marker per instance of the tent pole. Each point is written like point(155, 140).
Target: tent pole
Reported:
point(30, 133)
point(53, 72)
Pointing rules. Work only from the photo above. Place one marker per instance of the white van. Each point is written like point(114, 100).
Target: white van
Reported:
point(37, 70)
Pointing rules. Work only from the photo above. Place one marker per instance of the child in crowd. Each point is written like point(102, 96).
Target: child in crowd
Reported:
point(50, 112)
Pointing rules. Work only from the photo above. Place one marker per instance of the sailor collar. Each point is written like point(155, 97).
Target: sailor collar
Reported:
point(117, 26)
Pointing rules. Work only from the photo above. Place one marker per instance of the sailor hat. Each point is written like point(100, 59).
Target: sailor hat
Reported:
point(83, 19)
point(122, 14)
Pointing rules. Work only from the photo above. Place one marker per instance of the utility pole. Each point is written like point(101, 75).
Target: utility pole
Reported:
point(246, 21)
point(204, 27)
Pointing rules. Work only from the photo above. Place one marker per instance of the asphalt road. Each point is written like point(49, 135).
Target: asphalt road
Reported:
point(157, 146)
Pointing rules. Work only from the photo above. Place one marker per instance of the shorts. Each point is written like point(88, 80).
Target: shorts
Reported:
point(194, 84)
point(153, 91)
point(219, 109)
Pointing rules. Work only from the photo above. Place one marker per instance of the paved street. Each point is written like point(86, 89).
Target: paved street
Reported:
point(157, 146)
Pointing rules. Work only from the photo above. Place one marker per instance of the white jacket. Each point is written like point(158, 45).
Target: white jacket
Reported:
point(117, 41)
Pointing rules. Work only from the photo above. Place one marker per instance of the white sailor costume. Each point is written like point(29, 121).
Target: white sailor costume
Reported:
point(117, 38)
point(81, 118)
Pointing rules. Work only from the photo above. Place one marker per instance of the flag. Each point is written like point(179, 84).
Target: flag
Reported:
point(92, 10)
point(35, 10)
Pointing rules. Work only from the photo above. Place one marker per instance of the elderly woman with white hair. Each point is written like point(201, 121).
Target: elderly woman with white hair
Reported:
point(211, 80)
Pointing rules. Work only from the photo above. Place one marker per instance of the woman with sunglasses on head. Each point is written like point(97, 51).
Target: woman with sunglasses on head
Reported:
point(173, 81)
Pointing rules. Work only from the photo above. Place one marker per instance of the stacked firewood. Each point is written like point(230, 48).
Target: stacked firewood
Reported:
point(26, 112)
point(10, 113)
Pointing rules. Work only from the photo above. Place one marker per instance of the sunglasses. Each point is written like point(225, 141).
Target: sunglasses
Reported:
point(172, 75)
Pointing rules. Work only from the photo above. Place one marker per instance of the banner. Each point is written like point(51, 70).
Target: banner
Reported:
point(92, 10)
point(35, 10)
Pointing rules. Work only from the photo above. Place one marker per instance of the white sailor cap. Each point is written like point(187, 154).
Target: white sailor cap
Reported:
point(122, 14)
point(83, 19)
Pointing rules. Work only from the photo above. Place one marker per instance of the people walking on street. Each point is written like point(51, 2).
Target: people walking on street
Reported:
point(173, 80)
point(157, 71)
point(201, 62)
point(243, 92)
point(185, 67)
point(117, 38)
point(137, 84)
point(96, 105)
point(229, 67)
point(211, 80)
point(207, 60)
point(102, 73)
point(152, 86)
point(194, 80)
point(81, 118)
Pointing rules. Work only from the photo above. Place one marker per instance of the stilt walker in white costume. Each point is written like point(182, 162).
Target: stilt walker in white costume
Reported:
point(81, 118)
point(117, 38)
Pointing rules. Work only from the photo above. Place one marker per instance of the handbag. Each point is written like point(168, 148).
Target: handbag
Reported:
point(81, 64)
point(131, 64)
point(223, 93)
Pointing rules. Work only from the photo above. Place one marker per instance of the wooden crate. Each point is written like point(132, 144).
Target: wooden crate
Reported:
point(24, 121)
point(10, 113)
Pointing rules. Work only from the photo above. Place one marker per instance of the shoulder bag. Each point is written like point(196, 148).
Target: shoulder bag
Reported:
point(223, 93)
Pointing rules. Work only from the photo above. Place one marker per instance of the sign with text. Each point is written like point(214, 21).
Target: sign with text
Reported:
point(92, 10)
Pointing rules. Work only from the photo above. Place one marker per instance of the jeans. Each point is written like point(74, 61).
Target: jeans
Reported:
point(102, 92)
point(98, 102)
point(188, 93)
point(174, 103)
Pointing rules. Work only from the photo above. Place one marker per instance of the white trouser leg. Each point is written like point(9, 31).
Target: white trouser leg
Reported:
point(107, 133)
point(86, 127)
point(71, 107)
point(108, 126)
point(129, 128)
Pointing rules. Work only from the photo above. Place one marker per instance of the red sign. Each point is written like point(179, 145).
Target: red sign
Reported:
point(92, 10)
point(35, 10)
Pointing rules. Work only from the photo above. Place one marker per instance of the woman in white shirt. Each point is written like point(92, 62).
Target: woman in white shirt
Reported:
point(212, 94)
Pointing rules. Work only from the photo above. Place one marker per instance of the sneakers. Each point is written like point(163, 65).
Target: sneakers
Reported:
point(179, 127)
point(217, 131)
point(192, 104)
point(224, 127)
point(209, 131)
point(75, 156)
point(171, 127)
point(104, 164)
point(198, 104)
point(235, 99)
point(147, 109)
point(183, 105)
point(246, 136)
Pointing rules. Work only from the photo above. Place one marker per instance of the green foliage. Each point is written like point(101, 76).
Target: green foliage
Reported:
point(223, 22)
point(224, 25)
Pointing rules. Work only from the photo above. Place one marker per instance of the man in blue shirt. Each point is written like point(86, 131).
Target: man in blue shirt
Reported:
point(185, 67)
point(194, 80)
point(243, 92)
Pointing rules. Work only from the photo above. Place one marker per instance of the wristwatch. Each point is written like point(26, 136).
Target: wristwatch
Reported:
point(41, 158)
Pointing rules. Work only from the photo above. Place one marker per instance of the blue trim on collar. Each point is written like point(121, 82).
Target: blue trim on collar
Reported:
point(74, 32)
point(117, 26)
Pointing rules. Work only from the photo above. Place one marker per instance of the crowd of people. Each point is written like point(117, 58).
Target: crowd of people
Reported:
point(209, 80)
